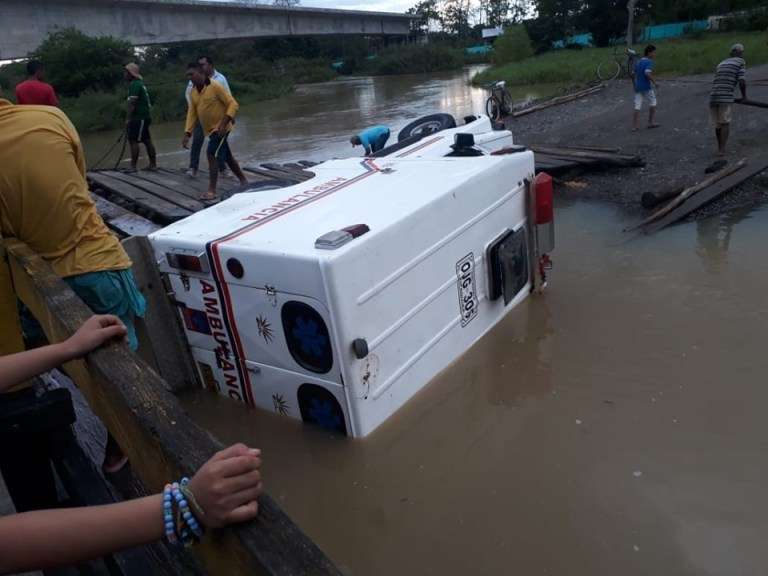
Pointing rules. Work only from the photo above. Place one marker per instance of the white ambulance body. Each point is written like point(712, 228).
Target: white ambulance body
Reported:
point(335, 300)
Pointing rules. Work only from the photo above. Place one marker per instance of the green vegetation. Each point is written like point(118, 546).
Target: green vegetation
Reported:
point(513, 46)
point(674, 57)
point(414, 59)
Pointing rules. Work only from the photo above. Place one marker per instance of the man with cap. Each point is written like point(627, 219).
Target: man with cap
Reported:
point(138, 117)
point(730, 73)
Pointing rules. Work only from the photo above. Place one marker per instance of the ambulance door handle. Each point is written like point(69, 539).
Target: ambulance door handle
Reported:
point(253, 369)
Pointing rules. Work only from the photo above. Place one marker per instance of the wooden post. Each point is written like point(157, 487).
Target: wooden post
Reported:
point(168, 342)
point(160, 439)
point(631, 5)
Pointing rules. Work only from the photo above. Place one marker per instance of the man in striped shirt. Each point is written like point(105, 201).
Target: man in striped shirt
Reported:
point(730, 73)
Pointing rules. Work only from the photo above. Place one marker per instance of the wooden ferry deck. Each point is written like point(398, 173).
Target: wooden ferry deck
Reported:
point(136, 204)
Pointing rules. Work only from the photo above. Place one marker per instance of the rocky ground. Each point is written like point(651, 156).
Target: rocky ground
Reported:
point(676, 153)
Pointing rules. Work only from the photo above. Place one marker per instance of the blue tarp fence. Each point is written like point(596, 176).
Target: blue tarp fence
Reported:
point(673, 30)
point(649, 33)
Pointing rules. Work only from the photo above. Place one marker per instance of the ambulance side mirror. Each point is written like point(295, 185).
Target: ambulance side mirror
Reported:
point(360, 348)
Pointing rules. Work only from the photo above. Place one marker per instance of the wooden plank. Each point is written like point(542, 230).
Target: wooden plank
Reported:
point(165, 211)
point(299, 174)
point(171, 195)
point(121, 220)
point(754, 167)
point(273, 174)
point(586, 155)
point(558, 100)
point(162, 442)
point(165, 334)
point(177, 181)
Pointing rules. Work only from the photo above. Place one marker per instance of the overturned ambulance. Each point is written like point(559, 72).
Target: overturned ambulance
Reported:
point(335, 300)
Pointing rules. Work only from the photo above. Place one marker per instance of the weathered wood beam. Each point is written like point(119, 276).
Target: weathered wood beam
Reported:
point(162, 442)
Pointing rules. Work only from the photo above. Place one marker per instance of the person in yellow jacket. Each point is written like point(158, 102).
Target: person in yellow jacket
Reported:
point(45, 202)
point(215, 108)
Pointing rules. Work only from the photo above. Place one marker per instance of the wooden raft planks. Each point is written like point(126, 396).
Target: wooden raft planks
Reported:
point(122, 221)
point(753, 167)
point(172, 195)
point(161, 440)
point(161, 209)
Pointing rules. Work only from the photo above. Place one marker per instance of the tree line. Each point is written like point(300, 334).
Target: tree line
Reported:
point(548, 21)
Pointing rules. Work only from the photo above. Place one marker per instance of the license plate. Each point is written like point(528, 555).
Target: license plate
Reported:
point(465, 278)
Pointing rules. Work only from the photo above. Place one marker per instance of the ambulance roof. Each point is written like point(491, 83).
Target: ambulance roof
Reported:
point(343, 193)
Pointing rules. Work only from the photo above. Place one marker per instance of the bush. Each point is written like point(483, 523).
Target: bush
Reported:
point(93, 111)
point(415, 59)
point(513, 46)
point(76, 63)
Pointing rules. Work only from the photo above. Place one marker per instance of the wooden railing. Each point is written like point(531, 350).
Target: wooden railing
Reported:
point(160, 439)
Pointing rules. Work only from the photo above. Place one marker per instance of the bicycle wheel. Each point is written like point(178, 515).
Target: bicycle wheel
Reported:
point(507, 103)
point(608, 70)
point(493, 108)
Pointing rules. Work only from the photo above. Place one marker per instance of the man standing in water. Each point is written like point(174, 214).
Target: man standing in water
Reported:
point(729, 73)
point(198, 138)
point(215, 109)
point(645, 88)
point(372, 139)
point(138, 118)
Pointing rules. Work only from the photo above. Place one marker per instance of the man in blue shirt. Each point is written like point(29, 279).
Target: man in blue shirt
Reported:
point(645, 85)
point(373, 139)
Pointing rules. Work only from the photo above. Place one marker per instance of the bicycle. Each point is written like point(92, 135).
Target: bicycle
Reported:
point(615, 68)
point(499, 103)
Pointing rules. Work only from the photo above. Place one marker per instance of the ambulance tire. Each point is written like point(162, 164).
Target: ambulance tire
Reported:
point(272, 184)
point(319, 407)
point(427, 125)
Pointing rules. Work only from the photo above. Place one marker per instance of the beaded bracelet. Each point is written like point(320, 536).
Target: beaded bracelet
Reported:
point(182, 526)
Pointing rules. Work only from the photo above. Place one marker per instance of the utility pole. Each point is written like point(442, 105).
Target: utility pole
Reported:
point(631, 22)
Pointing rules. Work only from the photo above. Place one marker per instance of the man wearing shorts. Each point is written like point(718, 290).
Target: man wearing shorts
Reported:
point(215, 109)
point(730, 72)
point(645, 85)
point(138, 118)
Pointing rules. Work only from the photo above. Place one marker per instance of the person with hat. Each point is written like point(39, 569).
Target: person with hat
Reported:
point(730, 73)
point(139, 117)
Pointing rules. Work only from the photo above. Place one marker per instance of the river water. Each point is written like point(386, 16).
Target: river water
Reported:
point(614, 425)
point(316, 121)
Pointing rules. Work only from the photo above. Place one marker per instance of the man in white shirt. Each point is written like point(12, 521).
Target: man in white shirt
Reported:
point(198, 137)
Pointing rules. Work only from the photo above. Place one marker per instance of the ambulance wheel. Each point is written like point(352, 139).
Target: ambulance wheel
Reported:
point(319, 407)
point(427, 125)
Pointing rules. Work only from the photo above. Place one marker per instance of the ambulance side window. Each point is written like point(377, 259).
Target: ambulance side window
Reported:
point(307, 337)
point(507, 265)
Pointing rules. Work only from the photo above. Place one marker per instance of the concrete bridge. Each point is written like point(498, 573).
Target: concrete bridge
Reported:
point(26, 23)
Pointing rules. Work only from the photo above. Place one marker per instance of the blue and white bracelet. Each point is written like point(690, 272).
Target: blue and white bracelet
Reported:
point(181, 525)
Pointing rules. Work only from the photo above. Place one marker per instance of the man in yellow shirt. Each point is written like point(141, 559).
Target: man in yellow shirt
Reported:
point(45, 202)
point(215, 108)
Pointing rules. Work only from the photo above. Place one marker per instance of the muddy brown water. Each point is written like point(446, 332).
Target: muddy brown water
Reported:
point(316, 121)
point(614, 425)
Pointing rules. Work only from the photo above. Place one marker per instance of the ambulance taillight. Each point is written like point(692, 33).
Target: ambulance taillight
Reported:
point(188, 262)
point(545, 213)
